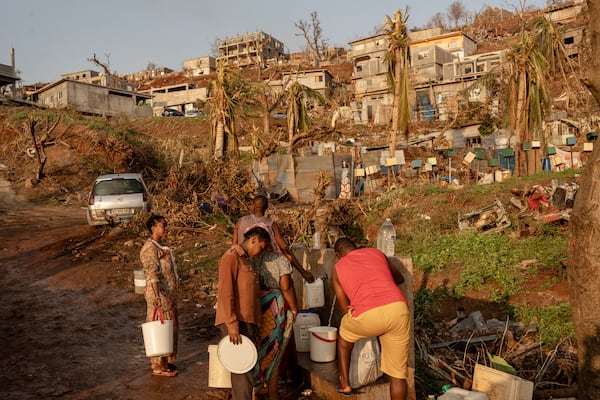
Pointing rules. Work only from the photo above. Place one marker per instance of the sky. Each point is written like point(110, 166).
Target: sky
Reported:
point(55, 37)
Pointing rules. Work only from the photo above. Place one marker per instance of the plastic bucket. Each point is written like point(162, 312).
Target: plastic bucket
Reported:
point(314, 294)
point(498, 176)
point(218, 376)
point(304, 321)
point(139, 281)
point(158, 338)
point(322, 343)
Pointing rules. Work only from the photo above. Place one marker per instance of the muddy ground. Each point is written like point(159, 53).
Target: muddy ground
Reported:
point(71, 328)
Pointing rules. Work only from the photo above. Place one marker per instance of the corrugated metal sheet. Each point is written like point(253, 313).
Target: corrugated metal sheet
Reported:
point(299, 175)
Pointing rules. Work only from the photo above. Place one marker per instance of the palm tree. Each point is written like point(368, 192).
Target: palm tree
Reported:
point(398, 60)
point(528, 99)
point(296, 95)
point(549, 39)
point(226, 90)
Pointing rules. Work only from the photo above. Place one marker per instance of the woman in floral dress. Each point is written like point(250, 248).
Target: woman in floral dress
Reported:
point(161, 287)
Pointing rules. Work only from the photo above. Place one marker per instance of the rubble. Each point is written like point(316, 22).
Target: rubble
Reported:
point(502, 349)
point(492, 218)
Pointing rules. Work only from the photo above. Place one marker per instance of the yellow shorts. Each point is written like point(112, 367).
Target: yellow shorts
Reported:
point(391, 323)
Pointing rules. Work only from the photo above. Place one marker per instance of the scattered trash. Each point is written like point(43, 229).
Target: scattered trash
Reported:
point(473, 322)
point(546, 204)
point(492, 218)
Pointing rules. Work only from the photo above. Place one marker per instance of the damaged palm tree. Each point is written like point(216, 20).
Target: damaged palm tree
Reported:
point(297, 95)
point(528, 98)
point(398, 60)
point(226, 91)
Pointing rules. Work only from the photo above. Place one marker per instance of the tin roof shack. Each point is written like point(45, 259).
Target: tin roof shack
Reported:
point(300, 175)
point(93, 99)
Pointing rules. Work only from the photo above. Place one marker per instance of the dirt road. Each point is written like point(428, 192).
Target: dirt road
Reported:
point(70, 327)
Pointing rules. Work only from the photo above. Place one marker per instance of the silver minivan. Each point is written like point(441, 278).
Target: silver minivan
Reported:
point(117, 197)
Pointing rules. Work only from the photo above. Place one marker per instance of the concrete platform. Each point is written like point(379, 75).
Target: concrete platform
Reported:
point(324, 378)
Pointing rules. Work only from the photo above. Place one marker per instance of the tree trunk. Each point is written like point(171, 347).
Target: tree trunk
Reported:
point(594, 27)
point(219, 140)
point(584, 278)
point(522, 121)
point(583, 250)
point(396, 106)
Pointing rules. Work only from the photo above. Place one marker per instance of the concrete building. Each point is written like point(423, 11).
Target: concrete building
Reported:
point(93, 99)
point(440, 99)
point(257, 48)
point(199, 66)
point(431, 51)
point(95, 78)
point(9, 76)
point(369, 79)
point(458, 44)
point(147, 74)
point(317, 79)
point(183, 96)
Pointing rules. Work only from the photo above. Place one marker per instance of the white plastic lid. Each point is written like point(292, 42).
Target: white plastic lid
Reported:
point(237, 358)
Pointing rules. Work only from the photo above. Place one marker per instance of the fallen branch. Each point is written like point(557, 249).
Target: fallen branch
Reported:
point(522, 350)
point(446, 371)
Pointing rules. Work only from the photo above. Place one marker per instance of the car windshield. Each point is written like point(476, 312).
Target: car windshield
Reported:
point(118, 186)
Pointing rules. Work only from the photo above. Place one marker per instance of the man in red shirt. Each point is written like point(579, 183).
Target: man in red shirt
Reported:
point(367, 292)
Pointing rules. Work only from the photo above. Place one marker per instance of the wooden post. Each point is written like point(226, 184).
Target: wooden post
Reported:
point(404, 265)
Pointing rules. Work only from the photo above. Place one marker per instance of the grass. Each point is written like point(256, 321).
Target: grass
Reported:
point(427, 229)
point(553, 323)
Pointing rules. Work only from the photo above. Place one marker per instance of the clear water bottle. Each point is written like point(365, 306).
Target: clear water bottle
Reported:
point(386, 238)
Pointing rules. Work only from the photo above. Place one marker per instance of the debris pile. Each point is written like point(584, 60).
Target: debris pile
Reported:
point(453, 350)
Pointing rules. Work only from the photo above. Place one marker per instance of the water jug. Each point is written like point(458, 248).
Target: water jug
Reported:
point(304, 321)
point(386, 238)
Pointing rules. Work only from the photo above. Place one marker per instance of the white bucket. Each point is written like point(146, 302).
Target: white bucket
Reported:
point(139, 281)
point(218, 376)
point(314, 294)
point(323, 341)
point(498, 176)
point(158, 338)
point(303, 322)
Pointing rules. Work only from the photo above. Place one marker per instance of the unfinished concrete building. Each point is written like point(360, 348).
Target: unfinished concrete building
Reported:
point(369, 80)
point(199, 66)
point(256, 49)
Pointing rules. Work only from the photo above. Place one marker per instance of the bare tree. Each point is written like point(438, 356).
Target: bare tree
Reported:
point(456, 12)
point(313, 34)
point(40, 138)
point(437, 21)
point(105, 66)
point(584, 233)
